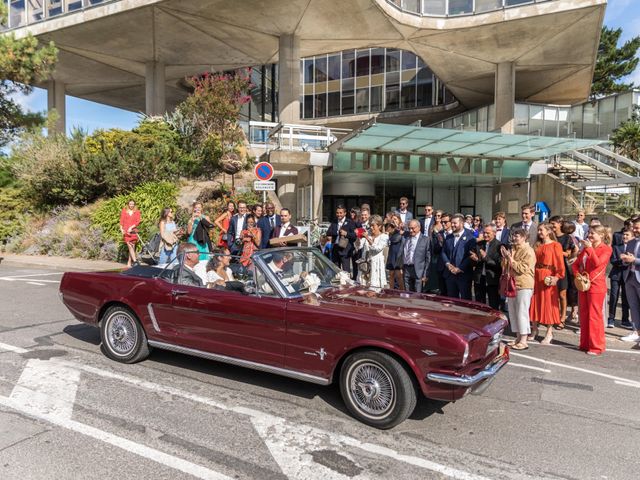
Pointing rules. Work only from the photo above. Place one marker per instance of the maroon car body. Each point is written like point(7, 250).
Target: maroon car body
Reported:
point(448, 347)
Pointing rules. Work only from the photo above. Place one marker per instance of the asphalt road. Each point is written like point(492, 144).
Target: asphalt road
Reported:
point(67, 412)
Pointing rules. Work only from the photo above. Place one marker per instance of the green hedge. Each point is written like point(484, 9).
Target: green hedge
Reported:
point(13, 212)
point(150, 199)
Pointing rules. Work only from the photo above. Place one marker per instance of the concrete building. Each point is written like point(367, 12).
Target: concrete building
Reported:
point(334, 64)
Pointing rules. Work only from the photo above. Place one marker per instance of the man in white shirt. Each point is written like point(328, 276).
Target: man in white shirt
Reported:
point(405, 215)
point(502, 232)
point(582, 228)
point(285, 229)
point(528, 224)
point(427, 222)
point(236, 225)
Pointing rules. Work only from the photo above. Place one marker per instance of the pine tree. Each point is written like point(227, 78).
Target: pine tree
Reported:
point(23, 62)
point(613, 63)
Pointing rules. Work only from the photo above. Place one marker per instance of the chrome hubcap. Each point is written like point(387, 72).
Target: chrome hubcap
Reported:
point(121, 334)
point(371, 388)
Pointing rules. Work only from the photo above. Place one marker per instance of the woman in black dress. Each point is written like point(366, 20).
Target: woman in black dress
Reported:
point(569, 250)
point(394, 256)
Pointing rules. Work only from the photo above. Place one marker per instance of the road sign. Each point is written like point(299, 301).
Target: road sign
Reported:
point(260, 186)
point(263, 171)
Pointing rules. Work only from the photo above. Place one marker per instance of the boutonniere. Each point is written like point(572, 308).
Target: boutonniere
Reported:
point(464, 238)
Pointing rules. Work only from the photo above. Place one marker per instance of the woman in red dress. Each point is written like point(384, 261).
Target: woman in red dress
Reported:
point(549, 269)
point(593, 260)
point(129, 221)
point(222, 222)
point(251, 238)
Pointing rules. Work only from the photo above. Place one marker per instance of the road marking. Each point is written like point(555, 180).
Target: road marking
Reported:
point(36, 283)
point(47, 387)
point(8, 277)
point(266, 425)
point(578, 369)
point(635, 352)
point(626, 384)
point(529, 367)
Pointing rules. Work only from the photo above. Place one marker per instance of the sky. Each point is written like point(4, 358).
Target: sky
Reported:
point(91, 116)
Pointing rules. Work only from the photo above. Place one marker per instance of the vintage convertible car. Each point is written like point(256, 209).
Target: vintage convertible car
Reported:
point(293, 313)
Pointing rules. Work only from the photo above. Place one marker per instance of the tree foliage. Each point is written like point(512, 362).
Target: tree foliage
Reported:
point(626, 138)
point(23, 62)
point(614, 63)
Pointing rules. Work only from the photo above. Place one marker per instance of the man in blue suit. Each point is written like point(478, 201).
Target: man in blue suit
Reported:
point(616, 281)
point(456, 256)
point(236, 225)
point(631, 275)
point(502, 232)
point(268, 223)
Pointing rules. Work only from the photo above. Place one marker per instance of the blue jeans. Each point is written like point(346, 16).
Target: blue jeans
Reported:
point(167, 255)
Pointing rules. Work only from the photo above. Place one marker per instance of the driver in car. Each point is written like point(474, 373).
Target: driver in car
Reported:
point(278, 265)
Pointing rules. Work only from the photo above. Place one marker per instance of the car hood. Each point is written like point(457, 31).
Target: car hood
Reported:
point(460, 316)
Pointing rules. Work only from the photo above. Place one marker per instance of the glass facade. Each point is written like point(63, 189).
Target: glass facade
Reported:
point(367, 81)
point(25, 12)
point(263, 106)
point(592, 120)
point(456, 7)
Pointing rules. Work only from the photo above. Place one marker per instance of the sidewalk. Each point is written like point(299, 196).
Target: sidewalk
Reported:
point(59, 263)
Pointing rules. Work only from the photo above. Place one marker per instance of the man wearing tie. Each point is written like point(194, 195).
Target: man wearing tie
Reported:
point(343, 235)
point(268, 224)
point(631, 258)
point(416, 250)
point(502, 232)
point(456, 256)
point(405, 215)
point(528, 224)
point(236, 225)
point(285, 229)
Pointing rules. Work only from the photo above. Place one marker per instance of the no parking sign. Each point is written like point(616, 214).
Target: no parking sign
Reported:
point(263, 171)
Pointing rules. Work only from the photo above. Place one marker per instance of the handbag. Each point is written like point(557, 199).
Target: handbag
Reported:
point(583, 282)
point(508, 287)
point(225, 237)
point(343, 242)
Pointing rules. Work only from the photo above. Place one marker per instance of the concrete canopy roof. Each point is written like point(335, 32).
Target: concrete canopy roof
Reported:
point(103, 50)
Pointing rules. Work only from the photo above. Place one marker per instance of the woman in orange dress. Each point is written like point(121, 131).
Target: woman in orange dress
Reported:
point(222, 222)
point(593, 260)
point(544, 308)
point(129, 221)
point(251, 238)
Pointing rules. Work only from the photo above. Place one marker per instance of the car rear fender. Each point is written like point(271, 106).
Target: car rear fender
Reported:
point(368, 344)
point(111, 303)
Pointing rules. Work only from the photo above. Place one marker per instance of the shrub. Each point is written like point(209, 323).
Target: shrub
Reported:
point(14, 210)
point(150, 198)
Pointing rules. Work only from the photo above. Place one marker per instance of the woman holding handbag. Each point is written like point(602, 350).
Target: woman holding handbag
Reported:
point(519, 263)
point(169, 236)
point(591, 281)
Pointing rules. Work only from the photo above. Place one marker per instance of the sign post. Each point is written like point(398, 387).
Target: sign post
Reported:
point(264, 173)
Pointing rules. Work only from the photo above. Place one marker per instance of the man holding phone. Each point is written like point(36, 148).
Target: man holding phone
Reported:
point(631, 258)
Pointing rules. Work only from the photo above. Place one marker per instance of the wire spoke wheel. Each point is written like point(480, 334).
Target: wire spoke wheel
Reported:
point(122, 334)
point(371, 388)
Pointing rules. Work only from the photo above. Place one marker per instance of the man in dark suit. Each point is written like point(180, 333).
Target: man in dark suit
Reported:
point(487, 268)
point(456, 255)
point(616, 281)
point(502, 232)
point(427, 222)
point(191, 256)
point(631, 276)
point(285, 229)
point(528, 224)
point(342, 228)
point(236, 225)
point(268, 223)
point(437, 244)
point(416, 255)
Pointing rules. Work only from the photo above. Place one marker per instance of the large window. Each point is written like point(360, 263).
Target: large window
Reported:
point(368, 80)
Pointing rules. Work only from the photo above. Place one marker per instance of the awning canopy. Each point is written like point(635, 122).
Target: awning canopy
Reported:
point(412, 140)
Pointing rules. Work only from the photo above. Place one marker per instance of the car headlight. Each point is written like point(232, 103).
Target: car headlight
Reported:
point(494, 342)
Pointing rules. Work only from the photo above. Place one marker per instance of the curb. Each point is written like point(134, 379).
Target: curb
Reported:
point(59, 263)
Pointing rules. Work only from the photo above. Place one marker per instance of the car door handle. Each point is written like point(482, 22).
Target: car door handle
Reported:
point(177, 293)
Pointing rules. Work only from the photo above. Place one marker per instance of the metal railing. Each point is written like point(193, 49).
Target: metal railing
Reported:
point(448, 8)
point(301, 138)
point(27, 12)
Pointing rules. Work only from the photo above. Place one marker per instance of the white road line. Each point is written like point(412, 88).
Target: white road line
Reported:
point(119, 442)
point(626, 384)
point(11, 348)
point(36, 283)
point(529, 367)
point(265, 425)
point(27, 280)
point(47, 387)
point(635, 352)
point(578, 369)
point(31, 275)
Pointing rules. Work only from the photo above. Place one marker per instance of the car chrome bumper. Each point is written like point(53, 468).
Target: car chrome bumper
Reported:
point(471, 380)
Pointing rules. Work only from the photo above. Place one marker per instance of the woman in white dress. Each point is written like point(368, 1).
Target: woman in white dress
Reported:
point(374, 251)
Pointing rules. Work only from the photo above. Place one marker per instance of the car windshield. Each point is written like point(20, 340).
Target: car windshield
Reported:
point(300, 270)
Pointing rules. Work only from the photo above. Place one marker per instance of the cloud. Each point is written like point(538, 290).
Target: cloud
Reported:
point(34, 102)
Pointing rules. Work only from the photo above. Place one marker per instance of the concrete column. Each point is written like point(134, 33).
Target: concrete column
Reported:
point(56, 100)
point(505, 97)
point(317, 193)
point(155, 88)
point(289, 79)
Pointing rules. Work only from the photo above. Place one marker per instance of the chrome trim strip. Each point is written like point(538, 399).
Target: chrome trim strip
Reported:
point(466, 380)
point(152, 314)
point(241, 363)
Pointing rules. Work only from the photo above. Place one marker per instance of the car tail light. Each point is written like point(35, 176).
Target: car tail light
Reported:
point(494, 342)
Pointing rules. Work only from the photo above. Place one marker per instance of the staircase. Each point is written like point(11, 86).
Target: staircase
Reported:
point(603, 176)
